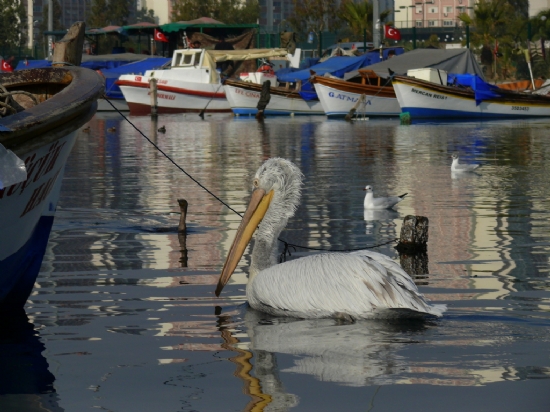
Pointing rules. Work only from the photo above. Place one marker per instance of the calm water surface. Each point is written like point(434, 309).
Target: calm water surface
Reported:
point(124, 317)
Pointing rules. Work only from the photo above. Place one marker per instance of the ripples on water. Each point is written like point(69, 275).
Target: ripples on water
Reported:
point(123, 316)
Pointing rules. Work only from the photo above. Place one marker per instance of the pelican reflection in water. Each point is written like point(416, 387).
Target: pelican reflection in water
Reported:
point(357, 285)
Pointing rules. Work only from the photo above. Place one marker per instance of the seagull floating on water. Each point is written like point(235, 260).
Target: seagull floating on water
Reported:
point(380, 203)
point(460, 167)
point(356, 285)
point(162, 129)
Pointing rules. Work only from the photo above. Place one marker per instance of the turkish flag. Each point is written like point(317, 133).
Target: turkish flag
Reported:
point(159, 36)
point(391, 33)
point(5, 66)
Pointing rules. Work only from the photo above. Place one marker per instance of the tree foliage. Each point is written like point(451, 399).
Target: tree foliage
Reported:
point(358, 17)
point(226, 11)
point(315, 16)
point(57, 14)
point(13, 21)
point(108, 12)
point(144, 15)
point(505, 22)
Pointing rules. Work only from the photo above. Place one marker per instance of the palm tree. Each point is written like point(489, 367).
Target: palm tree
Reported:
point(358, 16)
point(490, 22)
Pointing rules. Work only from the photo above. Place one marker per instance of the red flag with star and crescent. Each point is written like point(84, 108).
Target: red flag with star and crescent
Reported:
point(391, 33)
point(159, 36)
point(5, 66)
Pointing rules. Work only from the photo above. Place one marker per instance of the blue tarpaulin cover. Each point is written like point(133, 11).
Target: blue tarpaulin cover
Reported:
point(482, 89)
point(336, 66)
point(111, 75)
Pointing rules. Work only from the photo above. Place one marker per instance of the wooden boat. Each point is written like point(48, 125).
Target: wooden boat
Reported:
point(370, 97)
point(425, 99)
point(49, 106)
point(243, 99)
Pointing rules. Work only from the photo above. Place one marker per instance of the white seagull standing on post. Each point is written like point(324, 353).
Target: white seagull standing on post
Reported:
point(357, 285)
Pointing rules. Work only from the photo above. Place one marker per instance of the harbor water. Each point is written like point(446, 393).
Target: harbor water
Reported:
point(123, 316)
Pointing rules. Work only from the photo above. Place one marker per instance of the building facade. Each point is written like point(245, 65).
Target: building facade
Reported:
point(430, 13)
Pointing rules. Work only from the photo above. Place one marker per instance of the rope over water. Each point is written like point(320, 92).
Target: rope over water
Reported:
point(286, 250)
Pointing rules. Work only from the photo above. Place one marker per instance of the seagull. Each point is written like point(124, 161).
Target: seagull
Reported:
point(458, 167)
point(346, 286)
point(111, 129)
point(380, 203)
point(86, 129)
point(162, 129)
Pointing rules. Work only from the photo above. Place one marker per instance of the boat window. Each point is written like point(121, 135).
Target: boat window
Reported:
point(189, 59)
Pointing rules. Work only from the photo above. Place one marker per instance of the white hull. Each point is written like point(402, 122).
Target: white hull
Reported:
point(173, 95)
point(339, 103)
point(244, 102)
point(423, 101)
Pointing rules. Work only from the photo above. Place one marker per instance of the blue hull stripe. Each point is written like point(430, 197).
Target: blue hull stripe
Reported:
point(18, 272)
point(418, 112)
point(252, 112)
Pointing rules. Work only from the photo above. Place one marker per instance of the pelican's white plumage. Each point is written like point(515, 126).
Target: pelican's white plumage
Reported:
point(461, 167)
point(358, 285)
point(380, 203)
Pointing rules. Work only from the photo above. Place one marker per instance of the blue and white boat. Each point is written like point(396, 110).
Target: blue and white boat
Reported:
point(465, 96)
point(37, 132)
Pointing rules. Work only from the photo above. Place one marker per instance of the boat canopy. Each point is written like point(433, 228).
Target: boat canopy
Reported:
point(211, 57)
point(337, 65)
point(459, 61)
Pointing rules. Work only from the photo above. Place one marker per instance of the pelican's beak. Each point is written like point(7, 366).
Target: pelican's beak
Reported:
point(259, 203)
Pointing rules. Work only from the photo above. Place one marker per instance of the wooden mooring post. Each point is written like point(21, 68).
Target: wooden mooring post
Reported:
point(182, 232)
point(68, 50)
point(413, 245)
point(153, 94)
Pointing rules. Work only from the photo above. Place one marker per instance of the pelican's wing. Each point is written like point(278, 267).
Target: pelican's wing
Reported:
point(359, 284)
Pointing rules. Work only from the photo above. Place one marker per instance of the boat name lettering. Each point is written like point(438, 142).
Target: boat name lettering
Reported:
point(343, 97)
point(247, 93)
point(520, 108)
point(165, 96)
point(40, 194)
point(138, 78)
point(36, 168)
point(162, 81)
point(428, 94)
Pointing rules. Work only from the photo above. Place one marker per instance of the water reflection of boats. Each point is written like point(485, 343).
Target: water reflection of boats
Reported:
point(48, 106)
point(26, 384)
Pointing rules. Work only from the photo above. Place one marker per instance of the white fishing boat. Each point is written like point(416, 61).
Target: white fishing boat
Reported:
point(243, 99)
point(38, 128)
point(339, 97)
point(464, 96)
point(191, 84)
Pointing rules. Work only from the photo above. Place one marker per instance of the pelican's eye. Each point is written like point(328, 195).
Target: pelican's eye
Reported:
point(256, 182)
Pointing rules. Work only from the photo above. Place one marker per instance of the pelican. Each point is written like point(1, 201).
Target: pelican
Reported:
point(380, 203)
point(350, 286)
point(458, 167)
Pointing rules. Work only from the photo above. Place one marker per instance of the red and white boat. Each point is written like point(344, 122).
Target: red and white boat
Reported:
point(191, 84)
